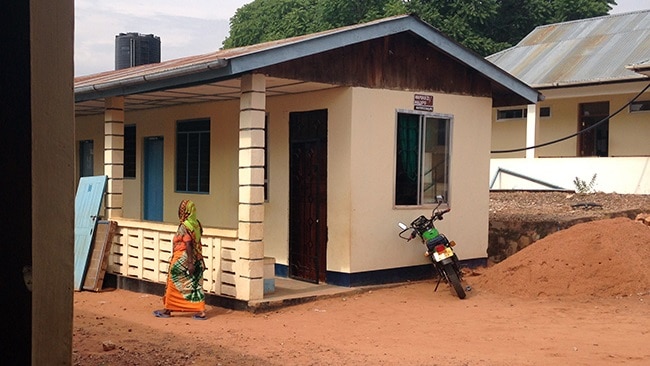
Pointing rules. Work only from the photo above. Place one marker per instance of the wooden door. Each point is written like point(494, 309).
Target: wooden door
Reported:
point(308, 195)
point(595, 140)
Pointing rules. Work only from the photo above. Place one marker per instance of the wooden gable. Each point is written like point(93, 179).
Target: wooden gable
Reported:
point(400, 62)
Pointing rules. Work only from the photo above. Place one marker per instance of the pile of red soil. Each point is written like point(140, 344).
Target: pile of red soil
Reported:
point(604, 258)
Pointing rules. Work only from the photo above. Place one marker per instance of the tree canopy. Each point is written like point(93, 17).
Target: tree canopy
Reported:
point(484, 26)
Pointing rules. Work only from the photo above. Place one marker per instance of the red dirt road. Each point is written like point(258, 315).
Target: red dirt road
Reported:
point(505, 320)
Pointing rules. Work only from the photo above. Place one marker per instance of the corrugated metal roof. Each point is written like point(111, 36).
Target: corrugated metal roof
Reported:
point(580, 52)
point(213, 60)
point(642, 67)
point(200, 64)
point(222, 66)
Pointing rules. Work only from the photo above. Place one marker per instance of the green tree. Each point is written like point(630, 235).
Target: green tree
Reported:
point(338, 13)
point(269, 20)
point(466, 21)
point(485, 26)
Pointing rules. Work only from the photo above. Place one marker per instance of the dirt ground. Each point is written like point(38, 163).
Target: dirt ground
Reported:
point(552, 205)
point(580, 296)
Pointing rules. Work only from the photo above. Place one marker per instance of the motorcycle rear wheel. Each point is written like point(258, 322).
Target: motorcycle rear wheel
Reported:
point(454, 280)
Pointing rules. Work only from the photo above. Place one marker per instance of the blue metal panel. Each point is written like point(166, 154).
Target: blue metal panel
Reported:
point(153, 178)
point(87, 203)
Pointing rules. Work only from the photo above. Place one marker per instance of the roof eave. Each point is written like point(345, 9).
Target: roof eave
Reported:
point(182, 76)
point(583, 83)
point(240, 64)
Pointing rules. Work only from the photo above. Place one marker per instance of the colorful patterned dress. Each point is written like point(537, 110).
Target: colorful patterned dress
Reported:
point(184, 290)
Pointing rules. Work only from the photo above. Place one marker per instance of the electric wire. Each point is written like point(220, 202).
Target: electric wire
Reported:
point(577, 133)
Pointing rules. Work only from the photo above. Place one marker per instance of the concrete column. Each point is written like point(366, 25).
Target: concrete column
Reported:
point(531, 129)
point(43, 59)
point(250, 249)
point(114, 155)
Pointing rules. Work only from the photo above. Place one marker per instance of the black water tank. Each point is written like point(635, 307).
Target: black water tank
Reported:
point(133, 49)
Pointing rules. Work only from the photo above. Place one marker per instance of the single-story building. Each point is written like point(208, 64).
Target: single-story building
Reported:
point(304, 152)
point(595, 117)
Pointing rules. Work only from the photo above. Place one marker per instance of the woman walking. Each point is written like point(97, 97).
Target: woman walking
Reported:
point(184, 290)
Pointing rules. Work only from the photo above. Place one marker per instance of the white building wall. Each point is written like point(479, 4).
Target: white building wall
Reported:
point(362, 218)
point(276, 228)
point(626, 175)
point(374, 241)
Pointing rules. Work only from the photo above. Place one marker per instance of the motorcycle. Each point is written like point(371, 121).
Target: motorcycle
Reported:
point(439, 248)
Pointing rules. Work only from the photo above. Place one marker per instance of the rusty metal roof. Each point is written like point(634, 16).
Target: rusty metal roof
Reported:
point(579, 52)
point(642, 67)
point(215, 76)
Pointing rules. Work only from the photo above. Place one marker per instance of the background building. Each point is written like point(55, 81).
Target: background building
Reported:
point(133, 49)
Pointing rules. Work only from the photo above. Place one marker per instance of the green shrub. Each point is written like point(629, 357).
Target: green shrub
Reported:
point(584, 187)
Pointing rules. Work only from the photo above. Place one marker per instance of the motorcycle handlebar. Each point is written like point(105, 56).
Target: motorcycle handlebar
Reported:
point(412, 236)
point(439, 214)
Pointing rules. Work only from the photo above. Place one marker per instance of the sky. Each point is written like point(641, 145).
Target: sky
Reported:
point(185, 28)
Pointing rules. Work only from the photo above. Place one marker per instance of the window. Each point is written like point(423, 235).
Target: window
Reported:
point(129, 151)
point(511, 113)
point(86, 158)
point(422, 162)
point(545, 111)
point(519, 113)
point(640, 106)
point(193, 156)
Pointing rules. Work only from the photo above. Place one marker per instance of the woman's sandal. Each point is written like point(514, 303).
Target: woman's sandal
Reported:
point(162, 313)
point(198, 316)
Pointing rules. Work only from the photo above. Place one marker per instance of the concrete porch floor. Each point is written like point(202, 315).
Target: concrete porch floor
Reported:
point(291, 292)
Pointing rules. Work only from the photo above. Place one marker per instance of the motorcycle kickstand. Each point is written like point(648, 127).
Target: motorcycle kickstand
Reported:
point(437, 284)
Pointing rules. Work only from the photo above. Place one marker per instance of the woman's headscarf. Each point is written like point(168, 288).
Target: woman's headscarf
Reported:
point(187, 217)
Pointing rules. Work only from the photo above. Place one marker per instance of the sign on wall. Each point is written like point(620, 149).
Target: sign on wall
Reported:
point(423, 102)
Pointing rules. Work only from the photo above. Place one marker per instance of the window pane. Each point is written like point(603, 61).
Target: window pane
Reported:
point(511, 113)
point(204, 163)
point(435, 160)
point(193, 162)
point(129, 151)
point(595, 109)
point(86, 168)
point(545, 112)
point(408, 140)
point(639, 106)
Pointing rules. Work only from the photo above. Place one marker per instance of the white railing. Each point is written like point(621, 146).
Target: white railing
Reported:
point(142, 250)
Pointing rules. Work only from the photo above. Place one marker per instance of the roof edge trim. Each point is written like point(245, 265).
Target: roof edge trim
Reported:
point(93, 91)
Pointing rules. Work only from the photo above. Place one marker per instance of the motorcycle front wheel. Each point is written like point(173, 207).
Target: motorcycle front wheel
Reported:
point(454, 280)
